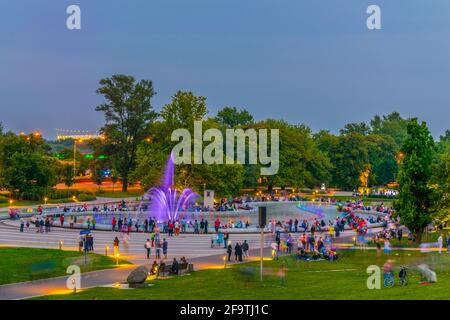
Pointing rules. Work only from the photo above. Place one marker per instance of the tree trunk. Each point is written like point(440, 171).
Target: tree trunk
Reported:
point(125, 185)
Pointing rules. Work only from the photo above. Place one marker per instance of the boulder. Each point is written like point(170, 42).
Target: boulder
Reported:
point(137, 277)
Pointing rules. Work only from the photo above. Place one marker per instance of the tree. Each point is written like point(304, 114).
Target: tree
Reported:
point(25, 168)
point(67, 176)
point(230, 117)
point(392, 125)
point(114, 178)
point(129, 115)
point(383, 159)
point(351, 161)
point(361, 128)
point(98, 176)
point(415, 203)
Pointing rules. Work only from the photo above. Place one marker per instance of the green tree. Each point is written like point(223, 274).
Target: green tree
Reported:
point(129, 115)
point(351, 160)
point(183, 110)
point(392, 125)
point(415, 203)
point(382, 152)
point(361, 128)
point(25, 168)
point(230, 117)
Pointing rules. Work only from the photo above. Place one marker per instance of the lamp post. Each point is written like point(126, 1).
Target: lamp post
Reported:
point(106, 250)
point(117, 259)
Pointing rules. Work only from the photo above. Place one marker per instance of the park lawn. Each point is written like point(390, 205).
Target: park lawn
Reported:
point(27, 264)
point(344, 279)
point(20, 203)
point(120, 194)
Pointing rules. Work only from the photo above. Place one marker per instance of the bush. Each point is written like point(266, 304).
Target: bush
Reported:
point(4, 200)
point(86, 197)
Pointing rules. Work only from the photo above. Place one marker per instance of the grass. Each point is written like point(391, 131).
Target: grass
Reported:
point(344, 279)
point(26, 264)
point(367, 201)
point(120, 194)
point(20, 203)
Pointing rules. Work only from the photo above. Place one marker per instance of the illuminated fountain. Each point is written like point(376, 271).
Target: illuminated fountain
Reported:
point(165, 202)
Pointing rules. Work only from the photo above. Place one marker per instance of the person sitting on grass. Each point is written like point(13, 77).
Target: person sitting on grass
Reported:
point(301, 254)
point(154, 268)
point(175, 267)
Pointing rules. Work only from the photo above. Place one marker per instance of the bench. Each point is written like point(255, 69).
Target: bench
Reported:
point(182, 268)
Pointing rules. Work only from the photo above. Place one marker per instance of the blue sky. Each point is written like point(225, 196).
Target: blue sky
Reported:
point(306, 61)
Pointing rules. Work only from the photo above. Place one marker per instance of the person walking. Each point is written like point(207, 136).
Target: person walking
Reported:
point(148, 248)
point(165, 246)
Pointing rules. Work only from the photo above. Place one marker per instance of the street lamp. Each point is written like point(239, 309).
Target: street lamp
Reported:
point(45, 200)
point(117, 259)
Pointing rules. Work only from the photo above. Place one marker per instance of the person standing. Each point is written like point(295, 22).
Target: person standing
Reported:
point(146, 225)
point(217, 225)
point(206, 226)
point(158, 248)
point(116, 246)
point(225, 240)
point(229, 251)
point(238, 252)
point(22, 224)
point(61, 220)
point(165, 247)
point(148, 248)
point(94, 222)
point(113, 223)
point(439, 242)
point(245, 249)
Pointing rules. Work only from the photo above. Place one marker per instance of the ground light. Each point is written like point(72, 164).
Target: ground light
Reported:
point(106, 250)
point(117, 258)
point(61, 243)
point(224, 261)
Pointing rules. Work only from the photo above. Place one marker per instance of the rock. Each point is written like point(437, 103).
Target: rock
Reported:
point(137, 277)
